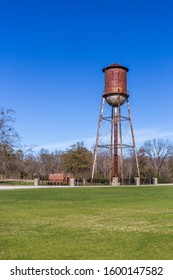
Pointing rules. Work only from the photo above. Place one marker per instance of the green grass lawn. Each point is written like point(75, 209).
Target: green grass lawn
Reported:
point(87, 223)
point(16, 183)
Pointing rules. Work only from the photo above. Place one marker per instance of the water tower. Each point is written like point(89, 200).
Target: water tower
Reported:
point(116, 96)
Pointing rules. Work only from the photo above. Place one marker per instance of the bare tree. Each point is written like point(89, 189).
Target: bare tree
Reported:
point(157, 151)
point(48, 162)
point(8, 135)
point(9, 140)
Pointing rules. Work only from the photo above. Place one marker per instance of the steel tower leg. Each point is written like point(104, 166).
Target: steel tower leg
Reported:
point(121, 147)
point(133, 139)
point(115, 142)
point(111, 146)
point(97, 138)
point(115, 126)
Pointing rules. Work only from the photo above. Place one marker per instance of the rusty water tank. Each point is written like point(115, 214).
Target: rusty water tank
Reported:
point(115, 91)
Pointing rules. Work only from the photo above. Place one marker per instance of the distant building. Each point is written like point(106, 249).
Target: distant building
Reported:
point(60, 178)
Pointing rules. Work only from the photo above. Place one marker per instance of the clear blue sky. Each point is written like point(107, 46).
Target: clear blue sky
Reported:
point(51, 59)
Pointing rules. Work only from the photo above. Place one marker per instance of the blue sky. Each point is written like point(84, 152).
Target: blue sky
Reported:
point(51, 59)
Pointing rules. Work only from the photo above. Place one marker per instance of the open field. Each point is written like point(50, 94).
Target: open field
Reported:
point(87, 223)
point(13, 182)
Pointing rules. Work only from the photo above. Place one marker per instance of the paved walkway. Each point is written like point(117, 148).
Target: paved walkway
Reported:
point(67, 187)
point(33, 187)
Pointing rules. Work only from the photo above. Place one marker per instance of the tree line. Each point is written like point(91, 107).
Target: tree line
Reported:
point(155, 158)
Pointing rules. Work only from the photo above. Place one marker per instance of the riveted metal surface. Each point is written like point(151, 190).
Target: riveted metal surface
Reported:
point(115, 100)
point(115, 80)
point(115, 91)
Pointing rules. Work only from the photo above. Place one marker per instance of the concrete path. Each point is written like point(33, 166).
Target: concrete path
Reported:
point(32, 187)
point(67, 187)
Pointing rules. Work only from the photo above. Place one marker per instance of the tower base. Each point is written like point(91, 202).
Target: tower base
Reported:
point(72, 182)
point(115, 182)
point(137, 181)
point(155, 181)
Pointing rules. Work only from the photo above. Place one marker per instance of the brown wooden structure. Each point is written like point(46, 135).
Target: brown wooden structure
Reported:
point(60, 178)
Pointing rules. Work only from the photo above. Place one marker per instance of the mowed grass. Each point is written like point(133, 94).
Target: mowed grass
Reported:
point(16, 183)
point(87, 223)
